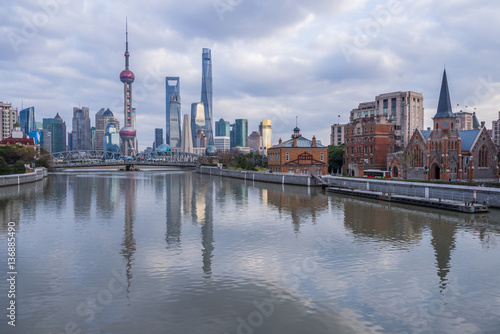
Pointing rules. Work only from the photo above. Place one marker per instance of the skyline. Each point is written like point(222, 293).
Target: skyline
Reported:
point(269, 61)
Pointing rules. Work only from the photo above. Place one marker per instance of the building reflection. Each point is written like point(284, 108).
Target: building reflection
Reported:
point(173, 188)
point(381, 221)
point(82, 188)
point(400, 226)
point(107, 196)
point(303, 203)
point(443, 240)
point(207, 230)
point(129, 187)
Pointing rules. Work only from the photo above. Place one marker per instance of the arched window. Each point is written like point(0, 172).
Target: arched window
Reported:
point(417, 157)
point(483, 156)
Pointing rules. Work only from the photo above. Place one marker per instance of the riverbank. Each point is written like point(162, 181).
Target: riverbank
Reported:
point(14, 179)
point(464, 193)
point(301, 180)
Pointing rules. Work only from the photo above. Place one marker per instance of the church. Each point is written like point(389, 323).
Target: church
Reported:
point(446, 153)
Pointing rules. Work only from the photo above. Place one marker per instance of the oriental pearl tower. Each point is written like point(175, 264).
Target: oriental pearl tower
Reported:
point(127, 133)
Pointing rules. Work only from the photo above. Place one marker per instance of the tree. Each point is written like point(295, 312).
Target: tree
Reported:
point(335, 158)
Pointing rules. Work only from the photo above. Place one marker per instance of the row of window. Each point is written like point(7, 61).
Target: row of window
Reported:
point(276, 156)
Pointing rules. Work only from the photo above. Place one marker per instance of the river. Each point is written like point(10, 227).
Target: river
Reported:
point(179, 252)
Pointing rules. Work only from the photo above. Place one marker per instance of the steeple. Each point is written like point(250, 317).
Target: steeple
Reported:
point(444, 109)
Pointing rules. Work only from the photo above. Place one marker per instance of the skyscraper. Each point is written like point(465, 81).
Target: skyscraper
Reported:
point(241, 132)
point(128, 133)
point(255, 141)
point(222, 128)
point(9, 117)
point(158, 138)
point(266, 131)
point(197, 118)
point(111, 139)
point(27, 120)
point(172, 85)
point(206, 93)
point(57, 128)
point(102, 119)
point(187, 138)
point(81, 129)
point(174, 121)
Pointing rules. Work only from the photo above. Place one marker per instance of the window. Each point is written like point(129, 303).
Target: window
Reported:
point(483, 156)
point(287, 156)
point(322, 156)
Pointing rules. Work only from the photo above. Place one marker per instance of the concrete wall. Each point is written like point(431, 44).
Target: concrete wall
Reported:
point(490, 196)
point(38, 174)
point(301, 180)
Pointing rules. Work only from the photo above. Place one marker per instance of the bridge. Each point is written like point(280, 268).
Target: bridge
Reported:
point(95, 158)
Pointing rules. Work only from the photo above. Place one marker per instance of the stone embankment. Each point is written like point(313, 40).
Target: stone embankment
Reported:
point(464, 193)
point(13, 179)
point(301, 180)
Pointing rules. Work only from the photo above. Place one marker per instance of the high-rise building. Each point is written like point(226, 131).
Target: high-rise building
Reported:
point(9, 118)
point(337, 135)
point(206, 93)
point(70, 141)
point(158, 138)
point(495, 131)
point(172, 85)
point(27, 120)
point(463, 120)
point(255, 141)
point(57, 128)
point(102, 118)
point(187, 138)
point(46, 140)
point(266, 131)
point(200, 139)
point(174, 121)
point(241, 133)
point(128, 132)
point(222, 143)
point(81, 129)
point(405, 109)
point(197, 118)
point(222, 128)
point(93, 143)
point(111, 139)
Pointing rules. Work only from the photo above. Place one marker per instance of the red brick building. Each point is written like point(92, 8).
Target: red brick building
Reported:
point(298, 156)
point(445, 152)
point(367, 143)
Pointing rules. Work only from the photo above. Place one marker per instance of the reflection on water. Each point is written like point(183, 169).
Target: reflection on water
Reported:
point(156, 252)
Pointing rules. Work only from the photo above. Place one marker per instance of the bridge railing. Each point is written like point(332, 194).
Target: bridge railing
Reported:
point(78, 158)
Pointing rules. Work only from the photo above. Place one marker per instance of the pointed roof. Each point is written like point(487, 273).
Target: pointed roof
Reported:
point(475, 121)
point(58, 117)
point(444, 109)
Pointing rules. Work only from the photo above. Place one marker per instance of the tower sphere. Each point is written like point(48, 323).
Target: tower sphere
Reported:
point(127, 133)
point(127, 76)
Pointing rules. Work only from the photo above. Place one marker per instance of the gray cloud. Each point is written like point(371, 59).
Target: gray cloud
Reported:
point(271, 59)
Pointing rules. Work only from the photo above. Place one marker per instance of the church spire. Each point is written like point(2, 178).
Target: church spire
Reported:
point(444, 109)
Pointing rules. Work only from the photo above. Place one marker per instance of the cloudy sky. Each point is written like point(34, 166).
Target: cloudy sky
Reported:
point(272, 59)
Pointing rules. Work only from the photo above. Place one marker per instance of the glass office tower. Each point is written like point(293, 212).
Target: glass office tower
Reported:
point(241, 132)
point(172, 85)
point(27, 120)
point(221, 128)
point(206, 94)
point(174, 121)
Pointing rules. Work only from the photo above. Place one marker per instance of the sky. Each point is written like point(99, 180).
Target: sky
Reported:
point(271, 59)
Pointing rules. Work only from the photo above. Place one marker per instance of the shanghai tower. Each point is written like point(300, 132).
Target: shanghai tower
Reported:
point(206, 94)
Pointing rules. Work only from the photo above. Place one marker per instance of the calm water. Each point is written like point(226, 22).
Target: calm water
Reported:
point(157, 252)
